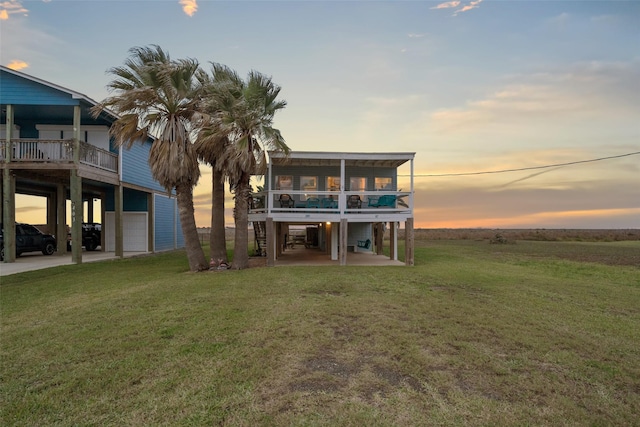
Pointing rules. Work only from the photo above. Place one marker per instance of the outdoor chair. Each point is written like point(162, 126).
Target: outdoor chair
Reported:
point(328, 203)
point(285, 201)
point(386, 201)
point(366, 244)
point(313, 202)
point(354, 202)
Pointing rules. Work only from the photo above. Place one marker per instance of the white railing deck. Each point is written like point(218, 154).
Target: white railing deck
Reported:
point(332, 202)
point(40, 150)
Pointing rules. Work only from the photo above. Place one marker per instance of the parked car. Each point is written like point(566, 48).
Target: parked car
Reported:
point(91, 236)
point(30, 239)
point(91, 232)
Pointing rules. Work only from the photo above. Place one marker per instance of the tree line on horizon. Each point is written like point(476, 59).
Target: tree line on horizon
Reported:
point(192, 115)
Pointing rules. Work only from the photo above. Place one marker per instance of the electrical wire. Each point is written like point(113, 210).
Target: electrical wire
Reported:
point(527, 168)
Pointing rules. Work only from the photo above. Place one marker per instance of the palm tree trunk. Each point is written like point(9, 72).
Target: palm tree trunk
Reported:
point(217, 242)
point(241, 244)
point(195, 254)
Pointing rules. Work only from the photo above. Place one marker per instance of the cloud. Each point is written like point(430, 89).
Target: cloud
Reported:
point(189, 6)
point(11, 7)
point(17, 64)
point(447, 5)
point(456, 3)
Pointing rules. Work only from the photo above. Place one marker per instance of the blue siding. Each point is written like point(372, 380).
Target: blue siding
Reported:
point(164, 225)
point(20, 91)
point(132, 200)
point(135, 167)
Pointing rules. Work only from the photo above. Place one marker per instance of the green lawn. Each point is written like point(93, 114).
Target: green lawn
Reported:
point(534, 333)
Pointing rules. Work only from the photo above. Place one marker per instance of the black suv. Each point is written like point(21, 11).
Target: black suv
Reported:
point(91, 235)
point(30, 239)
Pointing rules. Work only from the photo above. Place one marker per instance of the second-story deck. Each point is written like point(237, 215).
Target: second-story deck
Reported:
point(321, 187)
point(50, 155)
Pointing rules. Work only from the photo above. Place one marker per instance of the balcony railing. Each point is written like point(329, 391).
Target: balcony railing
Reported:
point(40, 150)
point(331, 202)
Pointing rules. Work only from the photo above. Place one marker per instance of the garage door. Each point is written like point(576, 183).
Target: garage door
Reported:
point(135, 231)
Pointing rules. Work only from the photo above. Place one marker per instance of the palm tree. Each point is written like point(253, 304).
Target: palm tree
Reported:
point(242, 112)
point(155, 97)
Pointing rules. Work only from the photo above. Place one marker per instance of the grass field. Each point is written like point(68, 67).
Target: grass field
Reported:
point(531, 333)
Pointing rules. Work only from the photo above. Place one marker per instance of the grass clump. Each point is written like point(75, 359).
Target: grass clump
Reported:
point(474, 334)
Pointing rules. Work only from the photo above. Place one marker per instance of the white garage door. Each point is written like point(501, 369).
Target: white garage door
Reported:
point(135, 231)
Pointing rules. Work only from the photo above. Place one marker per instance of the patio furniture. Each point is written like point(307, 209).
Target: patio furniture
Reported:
point(286, 201)
point(328, 203)
point(313, 202)
point(366, 244)
point(354, 202)
point(386, 201)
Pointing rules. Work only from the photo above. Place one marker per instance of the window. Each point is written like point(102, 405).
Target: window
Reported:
point(357, 183)
point(284, 182)
point(383, 183)
point(309, 184)
point(333, 183)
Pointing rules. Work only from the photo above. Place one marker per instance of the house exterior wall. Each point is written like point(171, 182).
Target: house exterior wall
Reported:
point(165, 223)
point(17, 90)
point(322, 172)
point(135, 167)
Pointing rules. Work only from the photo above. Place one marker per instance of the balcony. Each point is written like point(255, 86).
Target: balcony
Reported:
point(361, 206)
point(58, 151)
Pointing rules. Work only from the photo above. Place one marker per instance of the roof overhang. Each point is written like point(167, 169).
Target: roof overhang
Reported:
point(319, 158)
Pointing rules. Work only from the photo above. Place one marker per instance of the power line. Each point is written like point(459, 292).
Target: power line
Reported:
point(528, 168)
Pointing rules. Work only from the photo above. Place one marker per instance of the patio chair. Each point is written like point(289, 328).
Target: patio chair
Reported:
point(313, 202)
point(386, 201)
point(286, 201)
point(354, 202)
point(366, 244)
point(328, 203)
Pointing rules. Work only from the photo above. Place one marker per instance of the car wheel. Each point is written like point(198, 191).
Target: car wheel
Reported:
point(49, 248)
point(91, 245)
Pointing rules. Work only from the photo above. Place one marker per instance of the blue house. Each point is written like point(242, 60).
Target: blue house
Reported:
point(336, 202)
point(51, 146)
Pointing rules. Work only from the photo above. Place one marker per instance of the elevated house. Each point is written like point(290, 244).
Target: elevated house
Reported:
point(51, 146)
point(334, 202)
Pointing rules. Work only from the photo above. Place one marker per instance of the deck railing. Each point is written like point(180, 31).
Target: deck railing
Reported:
point(332, 202)
point(43, 150)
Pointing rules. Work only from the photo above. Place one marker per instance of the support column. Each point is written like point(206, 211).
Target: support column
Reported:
point(335, 240)
point(76, 217)
point(117, 220)
point(9, 194)
point(408, 242)
point(61, 219)
point(379, 237)
point(76, 192)
point(393, 241)
point(271, 244)
point(343, 241)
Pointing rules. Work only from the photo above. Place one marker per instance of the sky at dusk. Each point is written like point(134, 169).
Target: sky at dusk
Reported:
point(469, 86)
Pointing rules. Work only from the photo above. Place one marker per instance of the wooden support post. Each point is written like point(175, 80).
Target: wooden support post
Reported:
point(408, 242)
point(379, 237)
point(393, 241)
point(271, 244)
point(76, 217)
point(76, 192)
point(342, 251)
point(61, 219)
point(9, 194)
point(118, 223)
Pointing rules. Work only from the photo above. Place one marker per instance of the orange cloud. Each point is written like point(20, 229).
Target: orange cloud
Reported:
point(17, 65)
point(447, 5)
point(10, 7)
point(189, 6)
